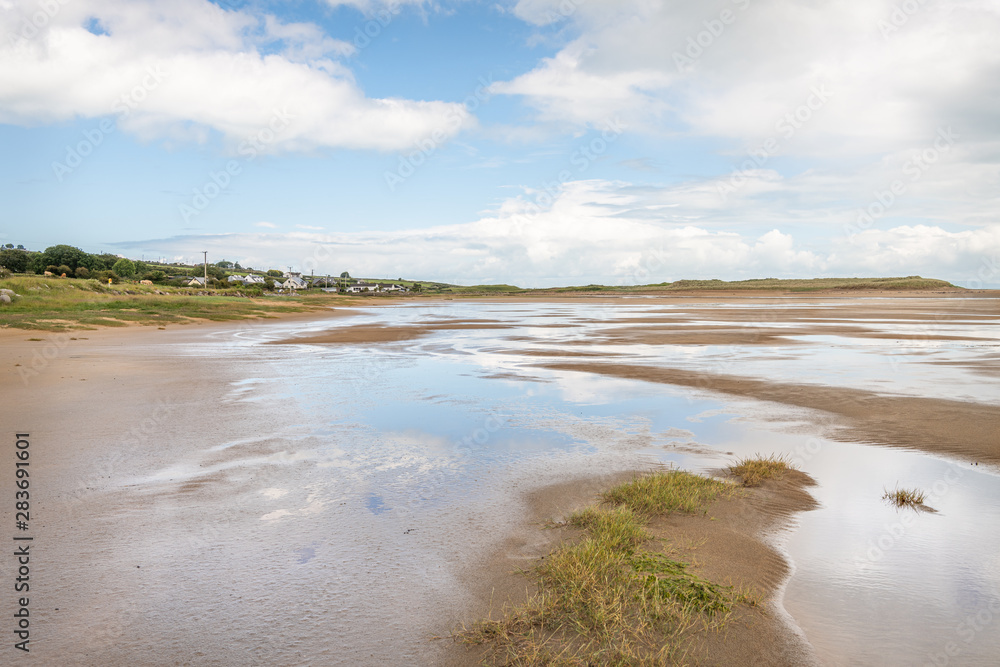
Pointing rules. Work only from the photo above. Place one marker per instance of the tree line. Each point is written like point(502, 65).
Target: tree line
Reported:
point(67, 259)
point(76, 263)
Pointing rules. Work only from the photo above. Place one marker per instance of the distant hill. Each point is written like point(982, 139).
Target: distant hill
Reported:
point(908, 283)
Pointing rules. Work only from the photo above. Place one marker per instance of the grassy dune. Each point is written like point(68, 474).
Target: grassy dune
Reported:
point(908, 283)
point(795, 285)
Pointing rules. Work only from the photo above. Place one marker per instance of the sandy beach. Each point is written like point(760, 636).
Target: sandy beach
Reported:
point(153, 466)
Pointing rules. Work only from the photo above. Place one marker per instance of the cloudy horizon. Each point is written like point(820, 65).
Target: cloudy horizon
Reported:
point(528, 142)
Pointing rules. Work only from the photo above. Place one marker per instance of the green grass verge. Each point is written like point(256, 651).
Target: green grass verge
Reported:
point(608, 599)
point(57, 304)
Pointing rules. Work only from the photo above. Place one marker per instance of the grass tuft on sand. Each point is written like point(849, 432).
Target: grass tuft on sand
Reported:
point(754, 470)
point(905, 498)
point(664, 492)
point(608, 599)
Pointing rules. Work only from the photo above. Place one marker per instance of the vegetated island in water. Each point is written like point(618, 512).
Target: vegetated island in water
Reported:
point(667, 568)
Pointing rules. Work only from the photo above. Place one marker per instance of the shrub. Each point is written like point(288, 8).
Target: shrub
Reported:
point(124, 268)
point(103, 276)
point(155, 276)
point(82, 272)
point(15, 260)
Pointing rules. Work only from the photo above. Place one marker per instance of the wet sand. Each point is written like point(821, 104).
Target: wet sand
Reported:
point(959, 428)
point(119, 576)
point(732, 548)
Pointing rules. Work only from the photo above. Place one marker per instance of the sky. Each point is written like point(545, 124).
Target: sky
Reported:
point(528, 142)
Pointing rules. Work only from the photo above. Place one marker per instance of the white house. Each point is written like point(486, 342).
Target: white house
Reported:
point(362, 287)
point(249, 279)
point(294, 282)
point(197, 282)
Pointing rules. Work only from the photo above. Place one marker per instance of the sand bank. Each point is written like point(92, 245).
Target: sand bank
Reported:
point(377, 333)
point(962, 429)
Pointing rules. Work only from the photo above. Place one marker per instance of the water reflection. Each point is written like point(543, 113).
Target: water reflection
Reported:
point(381, 469)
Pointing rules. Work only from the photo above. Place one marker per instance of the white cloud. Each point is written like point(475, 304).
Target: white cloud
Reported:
point(268, 225)
point(373, 6)
point(857, 94)
point(565, 91)
point(742, 76)
point(970, 257)
point(185, 68)
point(613, 233)
point(305, 41)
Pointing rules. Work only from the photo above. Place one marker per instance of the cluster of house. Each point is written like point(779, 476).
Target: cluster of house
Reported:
point(295, 281)
point(362, 286)
point(248, 279)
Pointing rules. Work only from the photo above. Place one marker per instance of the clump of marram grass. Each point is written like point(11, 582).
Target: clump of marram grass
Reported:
point(755, 470)
point(666, 491)
point(905, 498)
point(620, 528)
point(606, 599)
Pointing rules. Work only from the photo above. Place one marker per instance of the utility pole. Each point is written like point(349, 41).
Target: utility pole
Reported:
point(205, 253)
